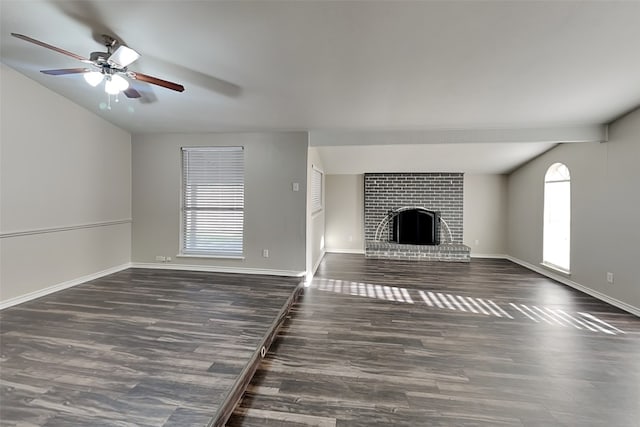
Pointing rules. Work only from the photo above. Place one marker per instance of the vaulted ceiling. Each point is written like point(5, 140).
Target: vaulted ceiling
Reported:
point(343, 65)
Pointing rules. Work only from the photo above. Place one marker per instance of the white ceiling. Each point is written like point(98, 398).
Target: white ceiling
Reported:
point(344, 65)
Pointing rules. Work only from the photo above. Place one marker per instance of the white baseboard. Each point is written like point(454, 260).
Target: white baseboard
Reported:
point(596, 294)
point(492, 256)
point(346, 251)
point(215, 269)
point(60, 286)
point(317, 264)
point(309, 274)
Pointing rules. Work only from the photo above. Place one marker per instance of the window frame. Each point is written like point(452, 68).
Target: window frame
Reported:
point(183, 250)
point(315, 208)
point(549, 179)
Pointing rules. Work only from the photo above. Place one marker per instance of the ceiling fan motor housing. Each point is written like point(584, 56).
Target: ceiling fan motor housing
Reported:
point(99, 57)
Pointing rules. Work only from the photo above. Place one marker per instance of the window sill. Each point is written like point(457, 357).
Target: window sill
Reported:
point(209, 256)
point(556, 269)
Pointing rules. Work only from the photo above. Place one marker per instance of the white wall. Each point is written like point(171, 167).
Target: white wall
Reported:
point(485, 214)
point(274, 214)
point(345, 213)
point(315, 220)
point(65, 189)
point(605, 207)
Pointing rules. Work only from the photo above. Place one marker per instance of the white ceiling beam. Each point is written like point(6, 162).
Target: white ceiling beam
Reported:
point(587, 133)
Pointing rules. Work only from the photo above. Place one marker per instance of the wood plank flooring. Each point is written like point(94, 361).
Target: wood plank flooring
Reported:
point(136, 348)
point(395, 343)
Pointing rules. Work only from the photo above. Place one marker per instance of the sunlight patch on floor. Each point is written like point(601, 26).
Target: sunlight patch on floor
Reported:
point(468, 304)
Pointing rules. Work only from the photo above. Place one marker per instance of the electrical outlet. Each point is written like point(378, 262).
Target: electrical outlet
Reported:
point(167, 259)
point(477, 242)
point(296, 186)
point(609, 277)
point(160, 258)
point(265, 253)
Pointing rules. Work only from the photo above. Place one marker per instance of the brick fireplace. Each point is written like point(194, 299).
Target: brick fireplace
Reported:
point(441, 193)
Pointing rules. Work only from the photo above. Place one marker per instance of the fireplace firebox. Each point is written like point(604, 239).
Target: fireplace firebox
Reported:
point(416, 226)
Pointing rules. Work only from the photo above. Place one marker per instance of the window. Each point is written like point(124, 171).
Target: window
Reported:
point(557, 218)
point(316, 189)
point(212, 201)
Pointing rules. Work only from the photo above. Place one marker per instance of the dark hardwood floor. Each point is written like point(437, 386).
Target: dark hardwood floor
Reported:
point(489, 343)
point(371, 343)
point(136, 348)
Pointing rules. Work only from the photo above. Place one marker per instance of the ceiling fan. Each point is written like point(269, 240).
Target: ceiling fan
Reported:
point(109, 66)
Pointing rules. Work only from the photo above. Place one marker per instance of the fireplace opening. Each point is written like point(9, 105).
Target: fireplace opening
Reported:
point(416, 226)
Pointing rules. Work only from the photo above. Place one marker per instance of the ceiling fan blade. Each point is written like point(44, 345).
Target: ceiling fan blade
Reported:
point(123, 57)
point(155, 81)
point(48, 46)
point(64, 71)
point(132, 93)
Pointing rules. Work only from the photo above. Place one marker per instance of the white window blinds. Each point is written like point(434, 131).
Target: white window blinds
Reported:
point(212, 201)
point(316, 190)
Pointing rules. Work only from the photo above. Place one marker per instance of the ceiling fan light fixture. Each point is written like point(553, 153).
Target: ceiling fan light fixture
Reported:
point(122, 57)
point(110, 87)
point(93, 78)
point(115, 84)
point(121, 83)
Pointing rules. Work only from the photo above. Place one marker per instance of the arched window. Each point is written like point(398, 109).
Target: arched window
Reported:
point(556, 249)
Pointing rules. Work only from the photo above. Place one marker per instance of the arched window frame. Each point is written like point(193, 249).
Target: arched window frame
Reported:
point(556, 248)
